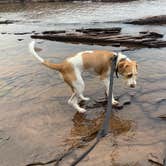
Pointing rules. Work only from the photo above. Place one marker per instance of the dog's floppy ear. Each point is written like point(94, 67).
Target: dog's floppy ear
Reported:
point(121, 66)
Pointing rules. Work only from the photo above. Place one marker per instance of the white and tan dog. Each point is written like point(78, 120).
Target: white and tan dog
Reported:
point(99, 61)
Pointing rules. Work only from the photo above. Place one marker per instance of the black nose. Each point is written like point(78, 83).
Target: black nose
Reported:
point(132, 85)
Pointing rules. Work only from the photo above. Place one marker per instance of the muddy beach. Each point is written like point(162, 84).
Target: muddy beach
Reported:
point(37, 124)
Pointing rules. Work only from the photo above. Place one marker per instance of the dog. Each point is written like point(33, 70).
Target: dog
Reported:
point(100, 62)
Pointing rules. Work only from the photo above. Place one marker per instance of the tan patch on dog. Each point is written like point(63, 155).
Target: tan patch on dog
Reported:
point(66, 70)
point(68, 73)
point(53, 65)
point(100, 61)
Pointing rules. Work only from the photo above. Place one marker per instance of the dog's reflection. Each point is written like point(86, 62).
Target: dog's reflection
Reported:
point(85, 127)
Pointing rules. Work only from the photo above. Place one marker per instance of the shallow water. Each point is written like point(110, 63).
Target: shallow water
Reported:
point(35, 122)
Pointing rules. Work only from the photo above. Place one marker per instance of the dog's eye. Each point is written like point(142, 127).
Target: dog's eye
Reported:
point(129, 75)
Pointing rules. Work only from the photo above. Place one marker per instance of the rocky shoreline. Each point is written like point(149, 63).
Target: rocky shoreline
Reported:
point(155, 20)
point(105, 36)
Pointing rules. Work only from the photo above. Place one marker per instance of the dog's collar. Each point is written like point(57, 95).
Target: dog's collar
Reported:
point(118, 60)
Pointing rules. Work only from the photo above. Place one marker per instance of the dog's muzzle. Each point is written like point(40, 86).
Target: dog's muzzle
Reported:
point(132, 85)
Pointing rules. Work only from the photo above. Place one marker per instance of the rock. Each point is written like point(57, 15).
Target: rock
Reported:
point(95, 31)
point(105, 36)
point(152, 34)
point(116, 44)
point(53, 32)
point(8, 21)
point(3, 137)
point(156, 158)
point(22, 33)
point(159, 20)
point(162, 116)
point(20, 39)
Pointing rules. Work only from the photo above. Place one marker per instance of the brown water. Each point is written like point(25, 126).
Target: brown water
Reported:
point(36, 123)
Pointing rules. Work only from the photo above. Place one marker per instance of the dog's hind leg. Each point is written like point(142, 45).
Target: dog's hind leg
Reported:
point(74, 103)
point(79, 86)
point(73, 100)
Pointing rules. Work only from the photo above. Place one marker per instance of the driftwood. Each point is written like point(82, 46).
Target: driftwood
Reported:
point(108, 36)
point(159, 20)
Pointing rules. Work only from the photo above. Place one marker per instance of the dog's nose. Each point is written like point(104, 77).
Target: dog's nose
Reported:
point(132, 85)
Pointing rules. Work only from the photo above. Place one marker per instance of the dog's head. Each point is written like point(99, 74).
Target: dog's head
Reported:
point(128, 69)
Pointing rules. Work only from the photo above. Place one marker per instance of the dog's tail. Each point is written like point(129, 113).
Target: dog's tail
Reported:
point(44, 62)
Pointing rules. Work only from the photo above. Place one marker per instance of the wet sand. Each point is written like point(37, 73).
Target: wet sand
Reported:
point(37, 124)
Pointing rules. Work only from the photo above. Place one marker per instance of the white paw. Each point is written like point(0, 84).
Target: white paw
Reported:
point(69, 102)
point(114, 102)
point(82, 110)
point(86, 98)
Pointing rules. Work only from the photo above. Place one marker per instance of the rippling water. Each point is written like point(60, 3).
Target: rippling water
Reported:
point(84, 12)
point(33, 99)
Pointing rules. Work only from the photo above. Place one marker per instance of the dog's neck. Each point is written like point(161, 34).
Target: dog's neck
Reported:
point(121, 57)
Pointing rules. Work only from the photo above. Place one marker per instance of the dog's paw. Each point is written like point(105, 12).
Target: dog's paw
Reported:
point(82, 110)
point(86, 99)
point(69, 102)
point(114, 102)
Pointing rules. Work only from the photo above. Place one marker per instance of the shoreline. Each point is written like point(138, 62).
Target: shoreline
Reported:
point(45, 1)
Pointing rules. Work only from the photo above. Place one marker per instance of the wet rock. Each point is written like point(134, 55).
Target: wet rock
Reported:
point(156, 158)
point(160, 109)
point(22, 33)
point(20, 39)
point(97, 31)
point(165, 161)
point(118, 106)
point(152, 34)
point(162, 116)
point(125, 100)
point(8, 21)
point(53, 32)
point(116, 44)
point(159, 20)
point(3, 137)
point(105, 36)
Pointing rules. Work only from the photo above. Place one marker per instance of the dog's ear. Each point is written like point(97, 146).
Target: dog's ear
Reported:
point(121, 66)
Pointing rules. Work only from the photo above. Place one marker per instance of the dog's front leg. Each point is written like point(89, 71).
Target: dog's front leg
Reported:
point(106, 82)
point(114, 102)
